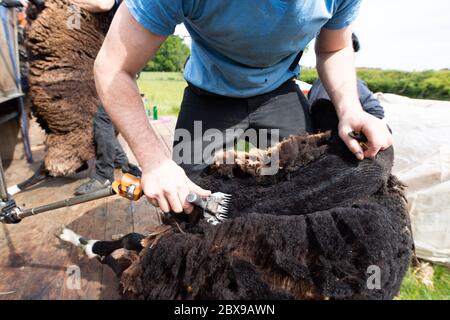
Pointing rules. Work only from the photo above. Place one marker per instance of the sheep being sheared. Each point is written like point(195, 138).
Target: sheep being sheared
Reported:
point(318, 229)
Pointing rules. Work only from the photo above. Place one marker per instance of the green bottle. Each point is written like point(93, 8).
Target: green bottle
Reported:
point(155, 113)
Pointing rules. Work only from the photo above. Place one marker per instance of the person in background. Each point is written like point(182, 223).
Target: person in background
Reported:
point(318, 95)
point(109, 153)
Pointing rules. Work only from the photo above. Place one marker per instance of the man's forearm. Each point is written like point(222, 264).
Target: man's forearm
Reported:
point(128, 46)
point(337, 73)
point(120, 95)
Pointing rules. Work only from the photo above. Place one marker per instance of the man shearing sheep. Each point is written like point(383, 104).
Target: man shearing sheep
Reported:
point(108, 151)
point(244, 57)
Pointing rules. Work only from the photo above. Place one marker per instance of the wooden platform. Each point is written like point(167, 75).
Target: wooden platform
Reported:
point(35, 264)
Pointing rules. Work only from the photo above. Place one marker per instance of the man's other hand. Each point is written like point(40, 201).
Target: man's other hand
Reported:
point(377, 133)
point(167, 186)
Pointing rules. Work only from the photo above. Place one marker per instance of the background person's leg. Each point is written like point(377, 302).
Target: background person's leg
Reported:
point(105, 140)
point(105, 154)
point(121, 159)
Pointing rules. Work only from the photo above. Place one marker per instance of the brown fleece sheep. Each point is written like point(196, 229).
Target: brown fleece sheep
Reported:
point(62, 90)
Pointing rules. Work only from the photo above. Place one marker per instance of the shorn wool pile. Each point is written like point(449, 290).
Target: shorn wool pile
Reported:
point(63, 42)
point(326, 226)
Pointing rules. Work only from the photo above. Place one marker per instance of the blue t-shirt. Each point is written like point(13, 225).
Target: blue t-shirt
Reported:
point(243, 48)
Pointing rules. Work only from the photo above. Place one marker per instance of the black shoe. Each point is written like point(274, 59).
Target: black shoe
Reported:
point(132, 169)
point(91, 186)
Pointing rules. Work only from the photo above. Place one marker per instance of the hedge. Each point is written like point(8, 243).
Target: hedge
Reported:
point(422, 85)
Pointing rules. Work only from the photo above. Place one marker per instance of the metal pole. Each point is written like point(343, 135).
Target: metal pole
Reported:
point(3, 190)
point(25, 132)
point(67, 202)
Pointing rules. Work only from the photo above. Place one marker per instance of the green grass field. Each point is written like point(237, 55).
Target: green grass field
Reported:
point(165, 90)
point(413, 289)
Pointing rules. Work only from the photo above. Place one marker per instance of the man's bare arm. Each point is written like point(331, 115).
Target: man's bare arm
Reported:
point(335, 64)
point(126, 49)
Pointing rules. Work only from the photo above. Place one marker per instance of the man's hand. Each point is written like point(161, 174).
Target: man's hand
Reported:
point(168, 186)
point(94, 6)
point(376, 131)
point(335, 63)
point(24, 3)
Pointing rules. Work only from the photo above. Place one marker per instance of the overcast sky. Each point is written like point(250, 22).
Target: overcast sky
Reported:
point(399, 34)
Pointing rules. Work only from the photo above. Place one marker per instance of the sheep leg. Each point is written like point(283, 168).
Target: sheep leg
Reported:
point(119, 260)
point(40, 175)
point(101, 249)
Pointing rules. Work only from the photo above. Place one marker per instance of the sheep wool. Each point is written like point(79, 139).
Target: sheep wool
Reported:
point(326, 226)
point(63, 42)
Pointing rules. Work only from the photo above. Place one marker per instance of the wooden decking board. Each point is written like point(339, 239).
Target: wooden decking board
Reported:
point(145, 215)
point(160, 128)
point(119, 221)
point(33, 262)
point(13, 273)
point(28, 243)
point(90, 224)
point(166, 130)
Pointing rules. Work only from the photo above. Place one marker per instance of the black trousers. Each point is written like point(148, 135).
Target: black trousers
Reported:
point(285, 109)
point(109, 153)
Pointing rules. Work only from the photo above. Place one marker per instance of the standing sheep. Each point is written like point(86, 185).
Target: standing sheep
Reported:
point(63, 42)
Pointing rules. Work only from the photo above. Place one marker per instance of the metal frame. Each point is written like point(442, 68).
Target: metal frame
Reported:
point(11, 213)
point(3, 191)
point(21, 113)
